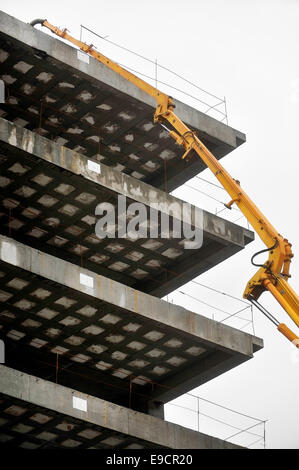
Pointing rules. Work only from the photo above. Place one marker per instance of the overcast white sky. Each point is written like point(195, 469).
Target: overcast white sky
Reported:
point(247, 51)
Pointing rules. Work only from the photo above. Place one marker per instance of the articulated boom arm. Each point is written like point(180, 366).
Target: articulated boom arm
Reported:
point(274, 273)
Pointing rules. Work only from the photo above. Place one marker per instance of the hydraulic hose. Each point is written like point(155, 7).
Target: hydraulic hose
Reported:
point(37, 21)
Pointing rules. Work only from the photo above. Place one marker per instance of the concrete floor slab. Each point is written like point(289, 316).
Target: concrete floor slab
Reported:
point(35, 414)
point(48, 196)
point(70, 312)
point(77, 103)
point(109, 339)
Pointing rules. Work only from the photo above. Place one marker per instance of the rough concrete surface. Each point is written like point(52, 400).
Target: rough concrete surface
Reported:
point(78, 103)
point(115, 335)
point(49, 194)
point(91, 352)
point(35, 413)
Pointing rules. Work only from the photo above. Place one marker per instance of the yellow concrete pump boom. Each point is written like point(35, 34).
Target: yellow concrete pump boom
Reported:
point(273, 275)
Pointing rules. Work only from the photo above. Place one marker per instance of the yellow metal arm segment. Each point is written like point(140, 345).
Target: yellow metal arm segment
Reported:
point(164, 101)
point(274, 273)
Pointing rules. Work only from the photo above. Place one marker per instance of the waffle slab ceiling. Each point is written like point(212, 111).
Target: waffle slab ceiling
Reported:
point(86, 106)
point(112, 341)
point(48, 197)
point(37, 414)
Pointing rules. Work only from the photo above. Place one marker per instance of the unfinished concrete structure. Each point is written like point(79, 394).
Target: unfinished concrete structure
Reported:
point(57, 217)
point(50, 417)
point(82, 312)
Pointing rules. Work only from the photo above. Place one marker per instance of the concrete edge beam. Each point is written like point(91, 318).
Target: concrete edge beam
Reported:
point(209, 331)
point(122, 183)
point(103, 413)
point(69, 55)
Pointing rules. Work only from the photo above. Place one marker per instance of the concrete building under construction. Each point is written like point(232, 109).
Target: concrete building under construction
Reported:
point(92, 353)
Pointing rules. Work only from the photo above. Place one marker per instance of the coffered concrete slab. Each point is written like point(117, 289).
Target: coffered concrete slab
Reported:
point(77, 102)
point(48, 197)
point(35, 414)
point(102, 332)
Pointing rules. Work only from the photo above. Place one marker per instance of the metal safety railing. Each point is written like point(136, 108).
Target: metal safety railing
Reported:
point(208, 417)
point(221, 307)
point(159, 74)
point(211, 197)
point(189, 410)
point(240, 316)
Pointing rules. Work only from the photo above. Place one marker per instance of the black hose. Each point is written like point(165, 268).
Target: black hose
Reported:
point(37, 21)
point(263, 251)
